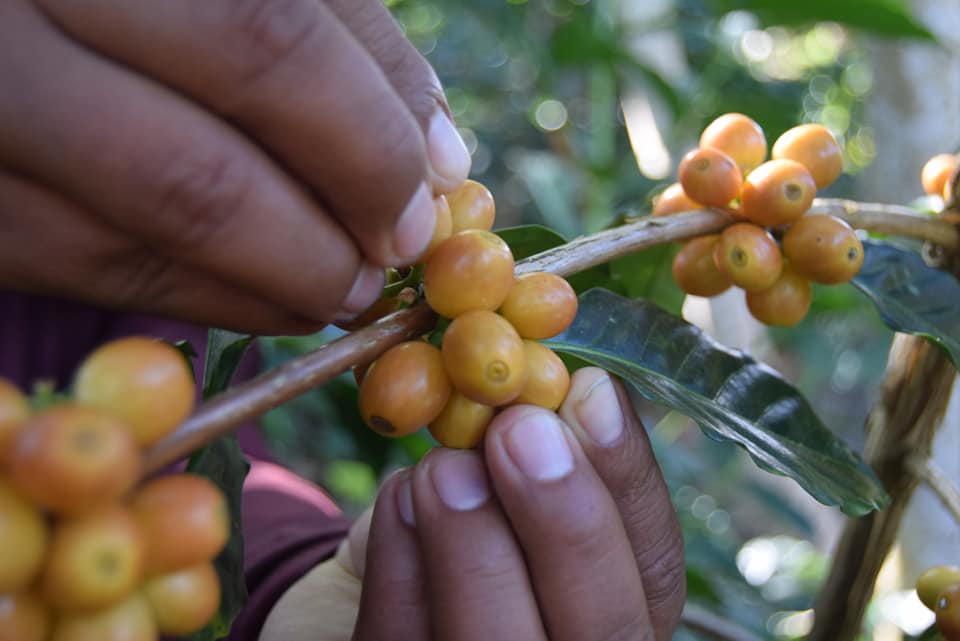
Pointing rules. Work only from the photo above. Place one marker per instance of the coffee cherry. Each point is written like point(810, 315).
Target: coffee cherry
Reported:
point(484, 358)
point(144, 382)
point(184, 519)
point(471, 207)
point(23, 617)
point(777, 192)
point(748, 255)
point(673, 200)
point(404, 389)
point(23, 539)
point(934, 581)
point(548, 380)
point(129, 620)
point(540, 305)
point(462, 423)
point(95, 560)
point(14, 411)
point(783, 304)
point(695, 271)
point(70, 458)
point(814, 147)
point(937, 172)
point(948, 613)
point(710, 177)
point(470, 270)
point(738, 136)
point(184, 601)
point(442, 230)
point(824, 249)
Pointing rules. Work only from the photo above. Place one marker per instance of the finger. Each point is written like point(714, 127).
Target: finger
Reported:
point(574, 543)
point(159, 169)
point(476, 575)
point(295, 78)
point(600, 415)
point(415, 81)
point(49, 246)
point(393, 603)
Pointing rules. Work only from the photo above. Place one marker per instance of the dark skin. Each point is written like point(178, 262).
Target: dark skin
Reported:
point(255, 164)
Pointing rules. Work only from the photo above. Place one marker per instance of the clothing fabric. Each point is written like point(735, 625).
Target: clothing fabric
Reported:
point(289, 524)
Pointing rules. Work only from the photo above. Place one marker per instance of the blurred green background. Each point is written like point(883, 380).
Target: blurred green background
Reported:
point(576, 112)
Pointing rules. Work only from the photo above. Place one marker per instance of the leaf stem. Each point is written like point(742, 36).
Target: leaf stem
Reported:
point(941, 484)
point(249, 400)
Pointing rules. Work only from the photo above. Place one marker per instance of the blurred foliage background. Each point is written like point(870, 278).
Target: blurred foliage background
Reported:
point(576, 112)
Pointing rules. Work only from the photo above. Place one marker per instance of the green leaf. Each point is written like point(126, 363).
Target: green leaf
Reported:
point(529, 240)
point(882, 17)
point(730, 395)
point(911, 296)
point(223, 462)
point(647, 274)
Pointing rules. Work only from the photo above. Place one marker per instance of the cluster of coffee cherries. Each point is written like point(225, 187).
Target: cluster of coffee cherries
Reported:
point(939, 590)
point(489, 355)
point(87, 553)
point(937, 173)
point(773, 251)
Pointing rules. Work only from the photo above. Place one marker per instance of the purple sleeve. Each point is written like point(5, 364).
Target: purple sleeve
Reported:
point(289, 524)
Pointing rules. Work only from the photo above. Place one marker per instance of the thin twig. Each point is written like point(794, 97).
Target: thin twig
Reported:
point(275, 387)
point(941, 484)
point(701, 620)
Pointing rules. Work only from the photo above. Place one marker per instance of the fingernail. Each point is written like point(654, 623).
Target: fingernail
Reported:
point(599, 412)
point(460, 480)
point(538, 447)
point(449, 158)
point(365, 291)
point(415, 227)
point(405, 502)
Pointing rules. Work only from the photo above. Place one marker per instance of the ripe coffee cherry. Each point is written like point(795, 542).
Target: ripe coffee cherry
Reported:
point(184, 519)
point(95, 560)
point(129, 620)
point(462, 423)
point(442, 230)
point(470, 270)
point(14, 411)
point(934, 581)
point(484, 357)
point(548, 380)
point(540, 305)
point(824, 249)
point(404, 389)
point(472, 207)
point(948, 613)
point(814, 147)
point(777, 192)
point(184, 601)
point(783, 304)
point(673, 200)
point(738, 136)
point(144, 382)
point(23, 539)
point(70, 458)
point(748, 255)
point(710, 177)
point(695, 271)
point(937, 172)
point(23, 617)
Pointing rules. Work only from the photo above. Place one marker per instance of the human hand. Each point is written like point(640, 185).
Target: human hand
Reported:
point(560, 531)
point(252, 164)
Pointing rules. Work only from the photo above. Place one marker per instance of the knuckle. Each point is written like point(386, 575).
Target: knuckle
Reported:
point(264, 33)
point(197, 196)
